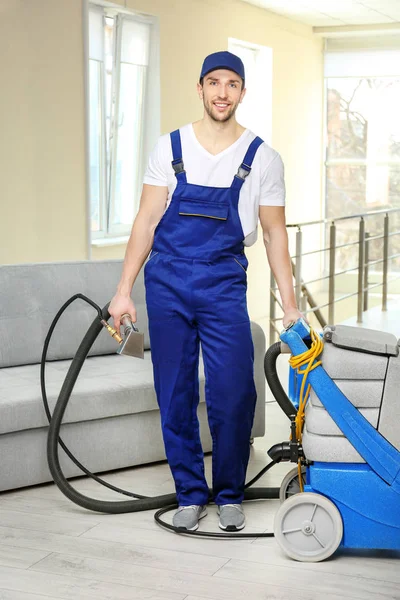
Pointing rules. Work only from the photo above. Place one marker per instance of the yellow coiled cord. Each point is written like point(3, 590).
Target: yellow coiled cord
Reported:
point(308, 360)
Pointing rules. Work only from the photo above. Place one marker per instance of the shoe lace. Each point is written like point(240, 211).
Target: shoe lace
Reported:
point(237, 506)
point(195, 506)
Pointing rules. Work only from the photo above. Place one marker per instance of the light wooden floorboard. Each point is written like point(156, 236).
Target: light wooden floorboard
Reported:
point(66, 525)
point(158, 538)
point(21, 558)
point(124, 553)
point(316, 580)
point(164, 580)
point(12, 595)
point(51, 548)
point(67, 587)
point(198, 598)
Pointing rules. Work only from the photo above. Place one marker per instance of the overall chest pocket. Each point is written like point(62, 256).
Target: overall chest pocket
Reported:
point(189, 207)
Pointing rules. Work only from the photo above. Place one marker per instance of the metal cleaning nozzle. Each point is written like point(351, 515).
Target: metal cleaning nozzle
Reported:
point(132, 342)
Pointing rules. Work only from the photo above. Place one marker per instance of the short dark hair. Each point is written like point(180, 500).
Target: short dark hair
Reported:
point(201, 81)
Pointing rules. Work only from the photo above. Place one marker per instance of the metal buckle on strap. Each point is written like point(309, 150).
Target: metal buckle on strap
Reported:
point(243, 171)
point(178, 166)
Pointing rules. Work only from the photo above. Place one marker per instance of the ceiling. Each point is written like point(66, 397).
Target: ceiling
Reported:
point(333, 13)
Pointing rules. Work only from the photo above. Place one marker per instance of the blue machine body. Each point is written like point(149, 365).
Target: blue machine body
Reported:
point(366, 494)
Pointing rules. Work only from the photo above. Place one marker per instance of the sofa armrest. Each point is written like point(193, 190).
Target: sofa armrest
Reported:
point(259, 342)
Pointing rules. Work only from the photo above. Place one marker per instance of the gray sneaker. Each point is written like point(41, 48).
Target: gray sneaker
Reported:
point(187, 517)
point(231, 517)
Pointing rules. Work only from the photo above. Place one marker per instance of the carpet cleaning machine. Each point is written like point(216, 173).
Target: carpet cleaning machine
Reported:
point(344, 412)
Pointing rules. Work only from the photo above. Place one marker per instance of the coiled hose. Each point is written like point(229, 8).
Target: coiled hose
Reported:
point(105, 506)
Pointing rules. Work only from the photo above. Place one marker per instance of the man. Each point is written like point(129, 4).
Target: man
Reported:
point(205, 188)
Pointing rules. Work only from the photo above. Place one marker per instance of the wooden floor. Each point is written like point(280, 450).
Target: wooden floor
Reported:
point(50, 548)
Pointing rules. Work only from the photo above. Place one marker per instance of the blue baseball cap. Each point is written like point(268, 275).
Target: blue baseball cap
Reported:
point(222, 60)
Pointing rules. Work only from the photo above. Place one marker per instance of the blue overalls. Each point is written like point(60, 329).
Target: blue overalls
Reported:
point(196, 293)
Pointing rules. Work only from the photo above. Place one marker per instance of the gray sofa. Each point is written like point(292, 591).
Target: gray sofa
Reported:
point(112, 420)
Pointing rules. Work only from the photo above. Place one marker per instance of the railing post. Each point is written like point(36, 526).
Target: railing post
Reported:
point(366, 270)
point(385, 261)
point(310, 300)
point(272, 309)
point(297, 272)
point(332, 268)
point(361, 259)
point(303, 304)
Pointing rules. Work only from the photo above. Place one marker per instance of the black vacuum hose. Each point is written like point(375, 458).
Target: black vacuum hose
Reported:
point(274, 383)
point(114, 507)
point(46, 404)
point(53, 436)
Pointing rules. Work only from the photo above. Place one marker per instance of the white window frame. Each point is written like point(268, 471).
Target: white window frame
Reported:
point(150, 121)
point(264, 63)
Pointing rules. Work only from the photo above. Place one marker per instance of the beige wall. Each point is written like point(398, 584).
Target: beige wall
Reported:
point(42, 132)
point(42, 147)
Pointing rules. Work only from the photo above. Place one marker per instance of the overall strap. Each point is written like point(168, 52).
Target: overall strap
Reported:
point(177, 162)
point(245, 167)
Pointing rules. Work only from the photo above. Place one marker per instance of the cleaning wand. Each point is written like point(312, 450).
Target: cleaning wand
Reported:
point(132, 343)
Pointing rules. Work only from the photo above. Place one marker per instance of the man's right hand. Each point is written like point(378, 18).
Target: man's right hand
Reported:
point(119, 306)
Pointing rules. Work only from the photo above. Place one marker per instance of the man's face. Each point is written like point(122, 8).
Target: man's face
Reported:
point(221, 93)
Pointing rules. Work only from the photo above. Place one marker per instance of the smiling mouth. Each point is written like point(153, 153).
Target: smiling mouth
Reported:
point(221, 105)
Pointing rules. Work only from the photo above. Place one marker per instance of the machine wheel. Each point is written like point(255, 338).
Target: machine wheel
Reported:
point(308, 527)
point(290, 483)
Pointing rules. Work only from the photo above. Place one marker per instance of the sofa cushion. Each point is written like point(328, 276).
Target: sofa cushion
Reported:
point(32, 294)
point(108, 386)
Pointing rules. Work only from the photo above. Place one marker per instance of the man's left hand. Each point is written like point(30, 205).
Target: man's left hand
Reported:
point(292, 315)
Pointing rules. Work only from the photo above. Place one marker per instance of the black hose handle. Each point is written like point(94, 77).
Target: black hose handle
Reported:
point(274, 383)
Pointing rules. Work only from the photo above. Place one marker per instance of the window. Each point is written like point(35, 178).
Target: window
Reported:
point(122, 73)
point(363, 144)
point(255, 112)
point(362, 167)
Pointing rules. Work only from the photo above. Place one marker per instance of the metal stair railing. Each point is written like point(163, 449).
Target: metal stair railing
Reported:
point(305, 299)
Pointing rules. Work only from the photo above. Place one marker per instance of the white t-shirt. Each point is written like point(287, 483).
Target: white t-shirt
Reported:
point(264, 186)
